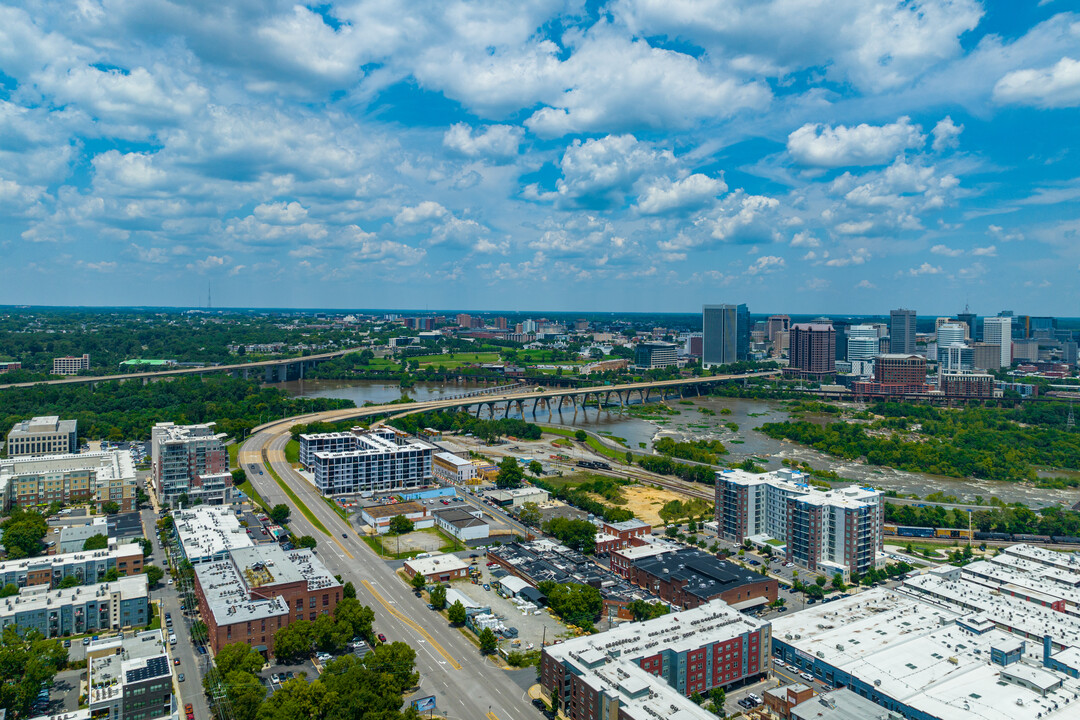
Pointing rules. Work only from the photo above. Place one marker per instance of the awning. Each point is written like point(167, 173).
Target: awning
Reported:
point(754, 602)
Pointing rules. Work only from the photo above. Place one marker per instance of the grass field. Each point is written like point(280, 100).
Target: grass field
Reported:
point(299, 503)
point(234, 452)
point(591, 441)
point(337, 508)
point(248, 489)
point(292, 452)
point(381, 543)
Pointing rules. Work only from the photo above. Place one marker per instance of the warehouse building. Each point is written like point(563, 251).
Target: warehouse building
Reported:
point(690, 577)
point(440, 568)
point(465, 525)
point(646, 671)
point(379, 516)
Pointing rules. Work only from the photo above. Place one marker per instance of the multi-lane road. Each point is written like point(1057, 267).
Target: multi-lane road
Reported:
point(467, 686)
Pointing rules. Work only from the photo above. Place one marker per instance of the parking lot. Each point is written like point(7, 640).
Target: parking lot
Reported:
point(532, 628)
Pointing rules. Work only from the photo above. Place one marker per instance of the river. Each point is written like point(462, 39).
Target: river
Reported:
point(690, 423)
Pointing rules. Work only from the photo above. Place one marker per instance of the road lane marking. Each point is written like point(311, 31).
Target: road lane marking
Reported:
point(411, 623)
point(492, 716)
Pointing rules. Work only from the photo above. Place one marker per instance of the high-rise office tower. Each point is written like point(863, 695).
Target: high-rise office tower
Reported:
point(841, 328)
point(902, 332)
point(951, 334)
point(998, 331)
point(726, 334)
point(972, 322)
point(742, 332)
point(862, 343)
point(776, 324)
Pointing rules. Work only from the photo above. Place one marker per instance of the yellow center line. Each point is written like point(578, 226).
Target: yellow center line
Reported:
point(408, 621)
point(492, 716)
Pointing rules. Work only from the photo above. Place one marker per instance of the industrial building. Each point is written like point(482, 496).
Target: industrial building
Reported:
point(78, 610)
point(439, 568)
point(647, 671)
point(998, 639)
point(130, 678)
point(94, 477)
point(541, 560)
point(516, 497)
point(380, 460)
point(689, 578)
point(209, 533)
point(256, 591)
point(830, 531)
point(463, 524)
point(47, 435)
point(379, 516)
point(191, 461)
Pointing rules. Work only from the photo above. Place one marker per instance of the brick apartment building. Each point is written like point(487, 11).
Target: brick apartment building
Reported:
point(896, 375)
point(257, 591)
point(811, 351)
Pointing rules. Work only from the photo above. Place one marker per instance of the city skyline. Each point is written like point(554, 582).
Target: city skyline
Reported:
point(626, 157)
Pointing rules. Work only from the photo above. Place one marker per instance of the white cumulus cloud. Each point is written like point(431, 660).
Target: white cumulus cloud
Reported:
point(1057, 86)
point(692, 191)
point(826, 146)
point(499, 141)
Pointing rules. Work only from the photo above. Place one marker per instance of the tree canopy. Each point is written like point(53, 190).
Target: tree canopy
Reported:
point(575, 603)
point(27, 663)
point(510, 473)
point(578, 535)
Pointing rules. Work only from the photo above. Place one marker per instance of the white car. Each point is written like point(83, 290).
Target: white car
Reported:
point(790, 564)
point(778, 662)
point(807, 676)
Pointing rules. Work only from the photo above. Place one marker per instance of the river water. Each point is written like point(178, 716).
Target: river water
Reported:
point(690, 423)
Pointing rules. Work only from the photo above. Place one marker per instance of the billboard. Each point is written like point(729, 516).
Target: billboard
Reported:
point(424, 704)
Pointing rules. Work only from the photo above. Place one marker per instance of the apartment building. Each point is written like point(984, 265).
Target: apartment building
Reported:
point(130, 678)
point(47, 435)
point(70, 365)
point(209, 533)
point(94, 477)
point(647, 671)
point(82, 609)
point(449, 468)
point(87, 566)
point(811, 351)
point(896, 374)
point(256, 591)
point(190, 460)
point(967, 384)
point(379, 460)
point(829, 531)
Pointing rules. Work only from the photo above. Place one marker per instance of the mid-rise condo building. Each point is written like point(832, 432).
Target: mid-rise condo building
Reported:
point(829, 531)
point(379, 460)
point(94, 477)
point(190, 460)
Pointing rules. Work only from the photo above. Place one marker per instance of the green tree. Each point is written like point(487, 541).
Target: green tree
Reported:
point(9, 590)
point(153, 574)
point(245, 693)
point(578, 535)
point(112, 575)
point(642, 610)
point(581, 435)
point(238, 657)
point(820, 580)
point(838, 583)
point(69, 581)
point(718, 697)
point(293, 641)
point(399, 525)
point(488, 642)
point(359, 617)
point(457, 614)
point(438, 596)
point(29, 662)
point(395, 661)
point(348, 590)
point(530, 514)
point(510, 473)
point(110, 508)
point(280, 513)
point(575, 603)
point(147, 546)
point(306, 541)
point(536, 468)
point(418, 582)
point(23, 531)
point(96, 542)
point(329, 634)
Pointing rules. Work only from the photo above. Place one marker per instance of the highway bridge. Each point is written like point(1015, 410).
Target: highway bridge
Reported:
point(520, 396)
point(276, 370)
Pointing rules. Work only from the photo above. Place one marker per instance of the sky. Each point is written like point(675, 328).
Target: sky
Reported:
point(802, 156)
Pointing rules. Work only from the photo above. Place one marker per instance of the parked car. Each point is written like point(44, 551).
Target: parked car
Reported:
point(180, 677)
point(189, 711)
point(807, 676)
point(176, 661)
point(382, 638)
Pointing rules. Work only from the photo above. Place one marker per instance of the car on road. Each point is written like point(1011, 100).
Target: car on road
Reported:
point(754, 562)
point(807, 676)
point(486, 586)
point(67, 643)
point(189, 711)
point(382, 638)
point(86, 641)
point(789, 564)
point(474, 555)
point(778, 662)
point(344, 535)
point(176, 661)
point(539, 704)
point(430, 606)
point(180, 677)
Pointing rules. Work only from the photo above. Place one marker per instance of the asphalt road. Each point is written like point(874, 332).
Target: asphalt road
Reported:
point(467, 686)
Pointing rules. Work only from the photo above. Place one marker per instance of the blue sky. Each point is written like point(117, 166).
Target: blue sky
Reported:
point(841, 156)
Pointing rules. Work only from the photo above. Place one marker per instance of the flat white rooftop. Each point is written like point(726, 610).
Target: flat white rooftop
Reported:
point(207, 532)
